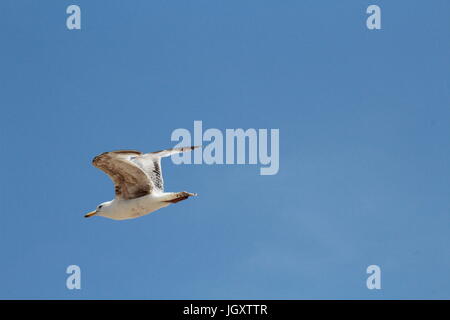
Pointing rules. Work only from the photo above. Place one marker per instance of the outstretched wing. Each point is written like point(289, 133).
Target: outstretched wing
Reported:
point(169, 152)
point(151, 164)
point(129, 179)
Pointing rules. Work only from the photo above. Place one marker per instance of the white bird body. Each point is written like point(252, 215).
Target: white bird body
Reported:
point(138, 183)
point(133, 208)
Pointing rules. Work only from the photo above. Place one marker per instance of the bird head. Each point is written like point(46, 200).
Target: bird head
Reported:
point(101, 208)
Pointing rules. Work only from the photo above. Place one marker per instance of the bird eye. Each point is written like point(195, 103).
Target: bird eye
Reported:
point(100, 206)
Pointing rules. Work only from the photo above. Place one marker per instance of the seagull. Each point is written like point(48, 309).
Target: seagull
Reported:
point(138, 181)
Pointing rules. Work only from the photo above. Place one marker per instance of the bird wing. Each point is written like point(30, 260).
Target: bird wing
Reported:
point(151, 164)
point(169, 152)
point(129, 179)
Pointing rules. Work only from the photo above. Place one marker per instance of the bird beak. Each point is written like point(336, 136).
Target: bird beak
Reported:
point(90, 214)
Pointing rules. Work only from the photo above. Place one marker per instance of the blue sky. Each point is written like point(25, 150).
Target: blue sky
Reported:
point(364, 148)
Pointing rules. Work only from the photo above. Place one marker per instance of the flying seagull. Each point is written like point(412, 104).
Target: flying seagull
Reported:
point(138, 183)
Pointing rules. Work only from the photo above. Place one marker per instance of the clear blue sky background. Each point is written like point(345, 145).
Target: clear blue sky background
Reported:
point(364, 148)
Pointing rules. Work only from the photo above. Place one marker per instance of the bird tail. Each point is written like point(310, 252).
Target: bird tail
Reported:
point(169, 152)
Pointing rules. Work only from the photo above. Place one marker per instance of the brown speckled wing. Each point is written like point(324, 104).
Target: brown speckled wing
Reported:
point(129, 179)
